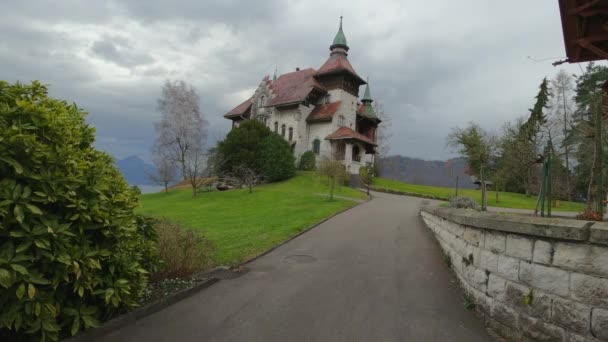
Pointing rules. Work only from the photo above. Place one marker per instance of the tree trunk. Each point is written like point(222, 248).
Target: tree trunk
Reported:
point(166, 187)
point(568, 191)
point(591, 176)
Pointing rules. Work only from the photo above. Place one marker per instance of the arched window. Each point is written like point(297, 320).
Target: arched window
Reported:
point(283, 131)
point(316, 146)
point(341, 120)
point(262, 102)
point(290, 133)
point(356, 156)
point(276, 127)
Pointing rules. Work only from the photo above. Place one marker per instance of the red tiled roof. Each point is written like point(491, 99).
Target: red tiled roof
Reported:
point(324, 112)
point(347, 133)
point(294, 87)
point(239, 110)
point(338, 63)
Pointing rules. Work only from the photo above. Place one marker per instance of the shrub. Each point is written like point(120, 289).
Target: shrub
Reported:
point(182, 251)
point(72, 251)
point(276, 161)
point(241, 146)
point(463, 202)
point(308, 161)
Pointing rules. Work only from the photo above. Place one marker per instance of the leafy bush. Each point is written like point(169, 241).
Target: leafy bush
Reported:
point(463, 202)
point(242, 146)
point(182, 251)
point(276, 161)
point(308, 161)
point(72, 251)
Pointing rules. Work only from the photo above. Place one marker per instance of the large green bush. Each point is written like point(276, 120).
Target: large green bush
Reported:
point(276, 161)
point(308, 161)
point(241, 147)
point(72, 252)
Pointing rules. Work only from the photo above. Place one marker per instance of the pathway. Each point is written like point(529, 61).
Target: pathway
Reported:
point(373, 273)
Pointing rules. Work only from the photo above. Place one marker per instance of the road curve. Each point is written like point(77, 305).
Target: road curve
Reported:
point(373, 273)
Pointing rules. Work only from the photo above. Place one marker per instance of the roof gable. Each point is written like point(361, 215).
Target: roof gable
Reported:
point(338, 63)
point(239, 110)
point(294, 87)
point(347, 133)
point(324, 112)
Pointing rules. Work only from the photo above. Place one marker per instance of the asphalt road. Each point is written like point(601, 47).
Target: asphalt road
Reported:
point(373, 273)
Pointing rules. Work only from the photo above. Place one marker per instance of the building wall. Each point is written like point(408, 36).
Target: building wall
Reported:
point(530, 278)
point(305, 133)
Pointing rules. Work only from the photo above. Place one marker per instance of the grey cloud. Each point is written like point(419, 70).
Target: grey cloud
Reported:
point(433, 67)
point(120, 51)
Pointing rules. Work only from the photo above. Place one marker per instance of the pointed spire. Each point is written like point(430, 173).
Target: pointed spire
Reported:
point(274, 77)
point(367, 97)
point(367, 101)
point(339, 44)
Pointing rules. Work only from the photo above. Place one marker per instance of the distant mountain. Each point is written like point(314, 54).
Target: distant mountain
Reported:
point(135, 170)
point(426, 172)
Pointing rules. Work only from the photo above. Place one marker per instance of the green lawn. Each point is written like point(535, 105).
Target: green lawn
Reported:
point(242, 225)
point(505, 199)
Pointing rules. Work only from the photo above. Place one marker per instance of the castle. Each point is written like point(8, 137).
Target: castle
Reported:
point(318, 110)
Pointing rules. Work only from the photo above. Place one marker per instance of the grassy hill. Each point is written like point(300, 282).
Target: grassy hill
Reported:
point(242, 225)
point(505, 199)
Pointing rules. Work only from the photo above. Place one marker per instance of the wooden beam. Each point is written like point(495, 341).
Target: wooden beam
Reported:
point(592, 39)
point(594, 11)
point(589, 46)
point(581, 8)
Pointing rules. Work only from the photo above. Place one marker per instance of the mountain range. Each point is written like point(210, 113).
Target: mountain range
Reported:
point(426, 172)
point(135, 170)
point(405, 169)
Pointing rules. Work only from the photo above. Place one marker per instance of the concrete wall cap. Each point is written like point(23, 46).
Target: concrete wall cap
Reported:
point(556, 228)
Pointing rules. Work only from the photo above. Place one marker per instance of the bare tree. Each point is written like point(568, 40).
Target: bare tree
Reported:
point(195, 168)
point(335, 172)
point(246, 176)
point(562, 103)
point(182, 128)
point(384, 130)
point(165, 173)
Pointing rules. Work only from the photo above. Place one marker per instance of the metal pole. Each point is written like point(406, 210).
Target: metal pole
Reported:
point(549, 180)
point(456, 186)
point(543, 191)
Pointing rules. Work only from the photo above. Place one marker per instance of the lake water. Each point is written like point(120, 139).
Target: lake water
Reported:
point(147, 189)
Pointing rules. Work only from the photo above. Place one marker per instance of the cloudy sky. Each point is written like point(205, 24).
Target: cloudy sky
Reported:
point(434, 64)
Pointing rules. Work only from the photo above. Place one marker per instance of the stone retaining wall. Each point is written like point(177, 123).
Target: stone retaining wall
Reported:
point(536, 279)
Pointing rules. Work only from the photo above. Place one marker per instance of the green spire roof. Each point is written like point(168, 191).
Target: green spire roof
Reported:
point(340, 38)
point(367, 96)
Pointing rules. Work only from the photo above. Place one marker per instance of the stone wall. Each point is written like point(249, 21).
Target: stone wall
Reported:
point(536, 279)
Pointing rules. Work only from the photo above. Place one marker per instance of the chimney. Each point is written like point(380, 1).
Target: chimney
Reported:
point(297, 68)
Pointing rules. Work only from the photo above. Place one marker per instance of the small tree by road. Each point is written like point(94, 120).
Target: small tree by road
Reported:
point(165, 173)
point(479, 148)
point(335, 172)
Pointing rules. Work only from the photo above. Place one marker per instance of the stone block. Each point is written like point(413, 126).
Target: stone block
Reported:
point(539, 330)
point(496, 287)
point(543, 252)
point(582, 258)
point(599, 233)
point(473, 236)
point(488, 260)
point(519, 247)
point(495, 241)
point(473, 254)
point(589, 289)
point(480, 279)
point(550, 279)
point(505, 315)
point(571, 316)
point(599, 323)
point(508, 267)
point(539, 306)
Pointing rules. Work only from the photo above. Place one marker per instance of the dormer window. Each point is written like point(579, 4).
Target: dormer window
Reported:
point(340, 120)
